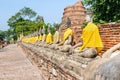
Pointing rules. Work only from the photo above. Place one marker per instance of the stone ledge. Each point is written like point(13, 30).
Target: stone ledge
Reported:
point(55, 64)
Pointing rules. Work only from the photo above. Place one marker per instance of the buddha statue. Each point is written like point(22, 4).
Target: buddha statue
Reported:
point(91, 43)
point(56, 38)
point(40, 35)
point(36, 38)
point(32, 39)
point(65, 45)
point(43, 37)
point(49, 38)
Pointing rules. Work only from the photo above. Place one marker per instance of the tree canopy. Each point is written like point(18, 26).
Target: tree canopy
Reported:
point(2, 35)
point(25, 21)
point(104, 10)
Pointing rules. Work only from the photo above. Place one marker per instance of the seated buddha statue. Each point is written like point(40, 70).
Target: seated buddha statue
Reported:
point(36, 38)
point(40, 35)
point(65, 45)
point(42, 42)
point(56, 38)
point(32, 39)
point(49, 38)
point(91, 43)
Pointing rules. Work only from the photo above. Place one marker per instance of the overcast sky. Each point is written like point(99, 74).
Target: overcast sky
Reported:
point(51, 10)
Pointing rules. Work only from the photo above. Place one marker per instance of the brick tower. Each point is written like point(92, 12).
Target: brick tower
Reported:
point(76, 13)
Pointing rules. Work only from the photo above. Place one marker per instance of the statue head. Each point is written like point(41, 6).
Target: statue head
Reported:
point(41, 19)
point(40, 31)
point(43, 30)
point(49, 30)
point(68, 22)
point(88, 19)
point(56, 27)
point(89, 15)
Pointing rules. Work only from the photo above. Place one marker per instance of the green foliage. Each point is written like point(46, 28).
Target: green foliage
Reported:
point(52, 30)
point(9, 34)
point(118, 21)
point(2, 35)
point(104, 10)
point(27, 13)
point(57, 25)
point(54, 27)
point(24, 22)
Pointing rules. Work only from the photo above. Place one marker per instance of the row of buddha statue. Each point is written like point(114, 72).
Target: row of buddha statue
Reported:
point(89, 47)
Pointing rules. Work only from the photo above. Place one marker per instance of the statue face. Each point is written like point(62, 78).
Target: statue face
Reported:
point(87, 18)
point(68, 22)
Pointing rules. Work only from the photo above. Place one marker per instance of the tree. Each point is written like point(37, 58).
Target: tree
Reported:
point(9, 34)
point(104, 10)
point(2, 35)
point(22, 21)
point(57, 25)
point(23, 14)
point(27, 13)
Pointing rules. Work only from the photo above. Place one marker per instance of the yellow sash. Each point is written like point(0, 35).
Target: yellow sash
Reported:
point(67, 33)
point(49, 38)
point(56, 37)
point(40, 38)
point(91, 37)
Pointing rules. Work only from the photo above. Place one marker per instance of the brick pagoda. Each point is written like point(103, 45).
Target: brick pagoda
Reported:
point(76, 13)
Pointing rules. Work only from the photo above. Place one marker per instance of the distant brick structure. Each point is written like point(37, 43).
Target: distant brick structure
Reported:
point(76, 13)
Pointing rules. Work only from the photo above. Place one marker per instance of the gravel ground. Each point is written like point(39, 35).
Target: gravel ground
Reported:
point(15, 66)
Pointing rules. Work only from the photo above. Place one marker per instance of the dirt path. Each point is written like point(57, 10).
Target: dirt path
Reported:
point(15, 66)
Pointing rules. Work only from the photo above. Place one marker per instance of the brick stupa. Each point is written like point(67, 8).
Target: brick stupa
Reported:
point(76, 13)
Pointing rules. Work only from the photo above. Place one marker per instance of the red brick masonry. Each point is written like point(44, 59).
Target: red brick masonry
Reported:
point(110, 34)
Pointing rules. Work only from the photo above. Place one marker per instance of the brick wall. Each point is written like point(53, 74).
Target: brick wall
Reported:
point(110, 34)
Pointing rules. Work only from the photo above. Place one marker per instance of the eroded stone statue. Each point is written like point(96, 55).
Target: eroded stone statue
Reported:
point(40, 35)
point(43, 37)
point(56, 38)
point(49, 38)
point(36, 38)
point(65, 45)
point(91, 44)
point(103, 69)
